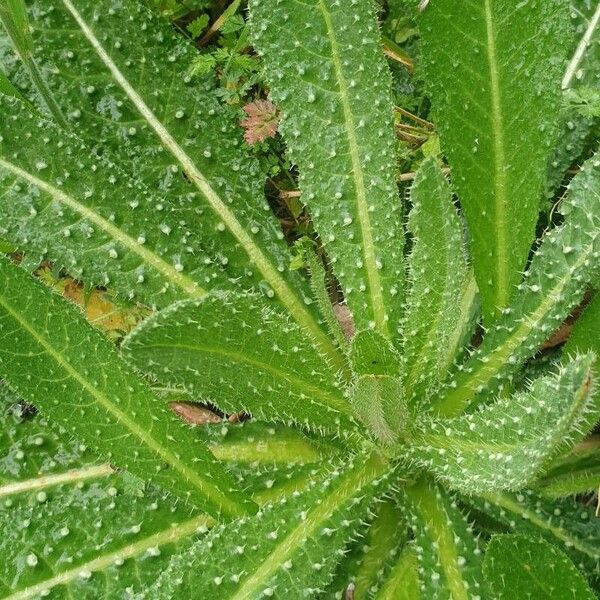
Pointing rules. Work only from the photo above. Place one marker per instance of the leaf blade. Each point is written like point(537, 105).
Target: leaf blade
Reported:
point(142, 102)
point(483, 135)
point(566, 261)
point(518, 567)
point(111, 394)
point(565, 523)
point(309, 548)
point(506, 444)
point(68, 214)
point(346, 172)
point(448, 553)
point(235, 334)
point(436, 322)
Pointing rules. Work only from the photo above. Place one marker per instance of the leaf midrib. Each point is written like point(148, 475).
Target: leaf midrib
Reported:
point(189, 286)
point(52, 479)
point(375, 288)
point(506, 502)
point(354, 481)
point(499, 158)
point(174, 533)
point(435, 520)
point(454, 401)
point(203, 486)
point(330, 400)
point(287, 296)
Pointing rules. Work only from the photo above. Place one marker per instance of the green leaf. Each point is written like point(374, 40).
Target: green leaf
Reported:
point(575, 473)
point(34, 456)
point(567, 523)
point(336, 102)
point(288, 550)
point(402, 583)
point(472, 59)
point(585, 336)
point(320, 292)
point(8, 89)
point(62, 202)
point(177, 137)
point(583, 65)
point(517, 567)
point(82, 384)
point(13, 15)
point(371, 556)
point(448, 553)
point(577, 132)
point(239, 353)
point(376, 395)
point(198, 25)
point(555, 282)
point(441, 300)
point(256, 443)
point(505, 444)
point(75, 527)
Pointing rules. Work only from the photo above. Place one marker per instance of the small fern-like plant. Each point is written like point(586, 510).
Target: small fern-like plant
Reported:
point(419, 455)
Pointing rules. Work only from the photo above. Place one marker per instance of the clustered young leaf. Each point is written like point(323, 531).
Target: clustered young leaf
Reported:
point(249, 439)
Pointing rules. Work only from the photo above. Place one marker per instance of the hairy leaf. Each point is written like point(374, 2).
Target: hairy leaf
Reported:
point(448, 553)
point(81, 383)
point(239, 353)
point(62, 202)
point(473, 56)
point(567, 259)
point(376, 395)
point(439, 311)
point(505, 444)
point(337, 121)
point(585, 336)
point(575, 473)
point(255, 443)
point(13, 15)
point(288, 550)
point(8, 89)
point(76, 527)
point(174, 137)
point(72, 525)
point(402, 583)
point(372, 553)
point(517, 567)
point(566, 523)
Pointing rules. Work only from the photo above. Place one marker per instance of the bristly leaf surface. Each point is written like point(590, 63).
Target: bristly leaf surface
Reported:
point(441, 299)
point(566, 523)
point(494, 70)
point(329, 78)
point(504, 445)
point(83, 385)
point(402, 582)
point(74, 526)
point(175, 137)
point(240, 353)
point(518, 567)
point(288, 550)
point(564, 264)
point(448, 553)
point(585, 336)
point(61, 202)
